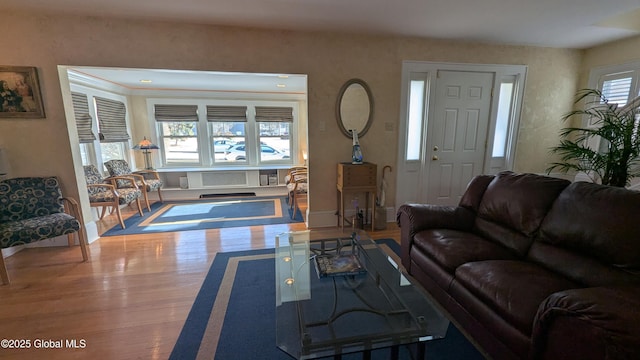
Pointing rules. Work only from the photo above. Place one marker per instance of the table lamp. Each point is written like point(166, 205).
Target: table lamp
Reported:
point(146, 146)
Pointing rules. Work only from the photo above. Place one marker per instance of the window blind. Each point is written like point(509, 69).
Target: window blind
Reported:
point(616, 90)
point(274, 113)
point(111, 120)
point(226, 113)
point(83, 117)
point(176, 113)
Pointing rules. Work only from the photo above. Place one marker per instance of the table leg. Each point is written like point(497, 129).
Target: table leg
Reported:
point(373, 211)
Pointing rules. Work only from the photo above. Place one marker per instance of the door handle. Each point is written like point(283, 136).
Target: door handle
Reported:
point(434, 157)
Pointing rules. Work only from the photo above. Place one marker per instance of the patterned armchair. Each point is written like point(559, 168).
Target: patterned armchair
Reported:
point(33, 209)
point(297, 186)
point(147, 180)
point(102, 194)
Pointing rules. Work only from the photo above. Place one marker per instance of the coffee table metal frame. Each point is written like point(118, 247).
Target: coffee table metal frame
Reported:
point(334, 315)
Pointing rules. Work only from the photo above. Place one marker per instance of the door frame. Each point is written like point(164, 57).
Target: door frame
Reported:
point(410, 179)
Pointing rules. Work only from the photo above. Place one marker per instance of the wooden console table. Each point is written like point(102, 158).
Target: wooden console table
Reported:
point(357, 179)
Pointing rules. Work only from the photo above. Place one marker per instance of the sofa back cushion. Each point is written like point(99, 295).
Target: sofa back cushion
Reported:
point(596, 221)
point(513, 207)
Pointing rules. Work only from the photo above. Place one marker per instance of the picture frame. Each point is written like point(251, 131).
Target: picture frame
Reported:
point(20, 95)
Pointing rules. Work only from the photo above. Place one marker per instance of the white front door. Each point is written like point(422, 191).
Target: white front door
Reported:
point(457, 134)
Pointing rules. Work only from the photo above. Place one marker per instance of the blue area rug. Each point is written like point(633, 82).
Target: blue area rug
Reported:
point(234, 316)
point(208, 214)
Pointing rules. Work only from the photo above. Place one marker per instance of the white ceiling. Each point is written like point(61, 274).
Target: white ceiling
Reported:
point(138, 81)
point(552, 23)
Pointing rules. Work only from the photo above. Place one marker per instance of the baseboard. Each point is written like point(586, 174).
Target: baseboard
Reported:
point(319, 219)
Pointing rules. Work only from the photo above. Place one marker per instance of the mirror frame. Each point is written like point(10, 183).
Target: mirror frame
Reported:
point(343, 89)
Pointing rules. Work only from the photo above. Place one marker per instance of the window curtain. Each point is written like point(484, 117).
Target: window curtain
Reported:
point(176, 113)
point(274, 113)
point(111, 120)
point(84, 121)
point(226, 113)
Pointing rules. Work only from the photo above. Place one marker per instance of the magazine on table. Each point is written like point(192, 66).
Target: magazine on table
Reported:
point(338, 265)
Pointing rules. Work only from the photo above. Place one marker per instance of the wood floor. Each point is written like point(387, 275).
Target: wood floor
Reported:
point(129, 301)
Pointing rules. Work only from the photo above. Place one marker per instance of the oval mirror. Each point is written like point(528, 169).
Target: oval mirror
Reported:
point(354, 109)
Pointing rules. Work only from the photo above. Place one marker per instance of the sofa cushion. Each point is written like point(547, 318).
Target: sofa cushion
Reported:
point(452, 248)
point(609, 234)
point(513, 289)
point(514, 205)
point(578, 268)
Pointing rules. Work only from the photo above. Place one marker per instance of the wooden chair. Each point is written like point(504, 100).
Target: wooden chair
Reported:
point(34, 209)
point(297, 186)
point(147, 180)
point(103, 194)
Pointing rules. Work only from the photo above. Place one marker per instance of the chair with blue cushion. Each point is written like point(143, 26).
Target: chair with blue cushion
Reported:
point(147, 180)
point(103, 194)
point(33, 209)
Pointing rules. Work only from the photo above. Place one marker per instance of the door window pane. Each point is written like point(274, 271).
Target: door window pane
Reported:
point(505, 102)
point(416, 118)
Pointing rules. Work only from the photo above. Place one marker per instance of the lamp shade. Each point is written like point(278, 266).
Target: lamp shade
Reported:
point(145, 144)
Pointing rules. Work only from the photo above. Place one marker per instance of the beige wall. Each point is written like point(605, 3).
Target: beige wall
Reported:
point(41, 146)
point(614, 53)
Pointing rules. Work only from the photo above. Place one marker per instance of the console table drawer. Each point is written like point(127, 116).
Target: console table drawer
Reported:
point(350, 175)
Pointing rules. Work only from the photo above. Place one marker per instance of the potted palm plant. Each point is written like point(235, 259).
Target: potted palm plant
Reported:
point(614, 162)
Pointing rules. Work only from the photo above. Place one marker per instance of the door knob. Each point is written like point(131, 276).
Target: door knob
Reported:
point(434, 157)
point(435, 148)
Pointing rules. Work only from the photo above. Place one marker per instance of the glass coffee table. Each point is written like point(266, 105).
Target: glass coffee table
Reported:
point(339, 292)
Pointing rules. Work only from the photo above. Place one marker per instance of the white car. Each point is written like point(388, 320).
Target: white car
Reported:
point(237, 153)
point(220, 145)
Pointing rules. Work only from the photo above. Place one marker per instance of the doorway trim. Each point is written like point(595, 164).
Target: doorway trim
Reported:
point(410, 178)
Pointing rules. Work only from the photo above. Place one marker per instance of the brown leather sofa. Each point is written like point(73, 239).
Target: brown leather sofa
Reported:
point(533, 267)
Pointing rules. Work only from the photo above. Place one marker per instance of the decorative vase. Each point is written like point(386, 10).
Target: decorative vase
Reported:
point(356, 154)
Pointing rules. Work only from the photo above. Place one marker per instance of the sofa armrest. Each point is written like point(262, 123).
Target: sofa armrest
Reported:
point(413, 218)
point(590, 323)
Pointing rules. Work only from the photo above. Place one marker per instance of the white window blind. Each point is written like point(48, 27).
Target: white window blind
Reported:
point(616, 88)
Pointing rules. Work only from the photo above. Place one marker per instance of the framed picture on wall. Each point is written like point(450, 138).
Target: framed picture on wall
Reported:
point(20, 95)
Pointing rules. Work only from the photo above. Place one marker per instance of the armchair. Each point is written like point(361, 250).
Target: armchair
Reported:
point(102, 194)
point(33, 209)
point(147, 180)
point(297, 187)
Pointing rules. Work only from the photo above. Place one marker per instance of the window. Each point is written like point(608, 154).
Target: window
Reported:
point(178, 133)
point(112, 126)
point(224, 133)
point(505, 109)
point(274, 125)
point(227, 129)
point(416, 119)
point(617, 87)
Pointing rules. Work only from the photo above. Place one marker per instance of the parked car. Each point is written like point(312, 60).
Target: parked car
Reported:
point(220, 145)
point(237, 153)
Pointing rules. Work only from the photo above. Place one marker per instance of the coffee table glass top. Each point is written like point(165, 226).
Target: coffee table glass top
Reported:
point(320, 311)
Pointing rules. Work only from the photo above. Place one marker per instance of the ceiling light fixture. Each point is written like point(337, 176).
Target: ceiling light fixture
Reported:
point(281, 85)
point(146, 81)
